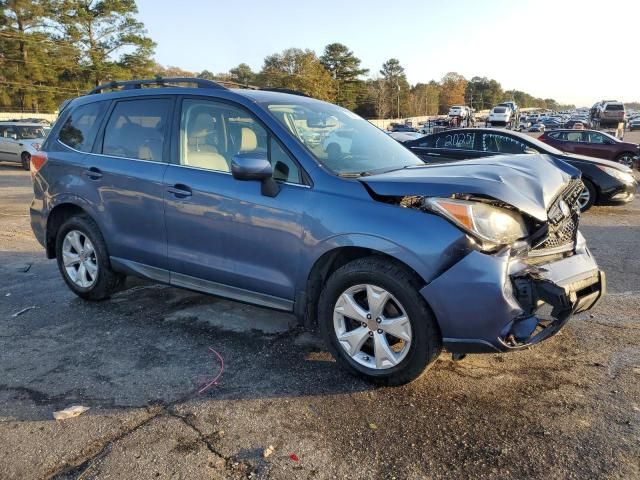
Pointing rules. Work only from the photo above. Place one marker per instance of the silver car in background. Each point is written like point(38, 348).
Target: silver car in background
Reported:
point(20, 140)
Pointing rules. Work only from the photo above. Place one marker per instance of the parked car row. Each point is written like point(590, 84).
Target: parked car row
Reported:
point(20, 140)
point(605, 182)
point(298, 205)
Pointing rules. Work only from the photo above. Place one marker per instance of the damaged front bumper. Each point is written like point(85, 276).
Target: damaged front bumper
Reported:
point(494, 303)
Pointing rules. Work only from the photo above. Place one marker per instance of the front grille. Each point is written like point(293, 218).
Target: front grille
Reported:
point(563, 221)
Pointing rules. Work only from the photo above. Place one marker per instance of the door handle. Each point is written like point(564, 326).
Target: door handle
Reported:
point(180, 190)
point(93, 173)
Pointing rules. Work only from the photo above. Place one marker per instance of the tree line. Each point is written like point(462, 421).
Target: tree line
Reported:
point(51, 50)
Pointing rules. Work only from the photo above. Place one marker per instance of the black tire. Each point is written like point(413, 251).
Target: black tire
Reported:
point(426, 343)
point(593, 195)
point(107, 281)
point(26, 160)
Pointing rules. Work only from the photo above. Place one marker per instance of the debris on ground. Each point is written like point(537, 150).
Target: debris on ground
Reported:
point(294, 457)
point(24, 310)
point(268, 451)
point(373, 426)
point(70, 412)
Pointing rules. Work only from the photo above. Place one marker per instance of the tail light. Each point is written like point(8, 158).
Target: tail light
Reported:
point(37, 162)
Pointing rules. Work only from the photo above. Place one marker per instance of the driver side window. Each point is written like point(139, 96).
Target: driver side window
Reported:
point(596, 138)
point(497, 143)
point(211, 133)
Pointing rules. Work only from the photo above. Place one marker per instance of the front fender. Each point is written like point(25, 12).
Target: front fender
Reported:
point(372, 242)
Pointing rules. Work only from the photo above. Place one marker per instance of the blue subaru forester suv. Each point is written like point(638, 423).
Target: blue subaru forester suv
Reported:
point(280, 200)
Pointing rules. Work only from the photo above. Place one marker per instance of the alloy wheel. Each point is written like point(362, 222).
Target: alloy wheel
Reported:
point(584, 198)
point(626, 160)
point(372, 326)
point(79, 259)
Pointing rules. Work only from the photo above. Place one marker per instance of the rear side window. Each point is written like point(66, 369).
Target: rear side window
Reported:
point(81, 126)
point(137, 129)
point(459, 140)
point(573, 137)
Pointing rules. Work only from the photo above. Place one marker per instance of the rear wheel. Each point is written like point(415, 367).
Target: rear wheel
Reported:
point(83, 259)
point(375, 322)
point(26, 160)
point(587, 196)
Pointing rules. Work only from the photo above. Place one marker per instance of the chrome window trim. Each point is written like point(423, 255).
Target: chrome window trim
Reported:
point(109, 156)
point(167, 163)
point(229, 173)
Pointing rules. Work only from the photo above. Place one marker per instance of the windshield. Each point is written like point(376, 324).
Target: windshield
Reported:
point(341, 140)
point(499, 110)
point(29, 133)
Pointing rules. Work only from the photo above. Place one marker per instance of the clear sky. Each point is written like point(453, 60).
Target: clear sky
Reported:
point(570, 50)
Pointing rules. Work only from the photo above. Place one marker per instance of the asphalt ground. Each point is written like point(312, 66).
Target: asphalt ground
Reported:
point(568, 408)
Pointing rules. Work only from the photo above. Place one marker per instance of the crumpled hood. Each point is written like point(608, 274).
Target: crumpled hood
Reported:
point(528, 182)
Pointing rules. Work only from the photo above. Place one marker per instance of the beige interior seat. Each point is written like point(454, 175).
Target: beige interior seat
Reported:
point(248, 140)
point(200, 151)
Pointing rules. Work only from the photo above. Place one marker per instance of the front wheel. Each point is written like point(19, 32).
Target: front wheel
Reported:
point(83, 260)
point(588, 196)
point(26, 160)
point(626, 159)
point(375, 322)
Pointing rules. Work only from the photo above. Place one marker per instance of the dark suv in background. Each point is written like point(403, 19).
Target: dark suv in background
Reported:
point(298, 205)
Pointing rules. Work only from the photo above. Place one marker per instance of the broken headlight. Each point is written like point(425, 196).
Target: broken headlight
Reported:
point(491, 226)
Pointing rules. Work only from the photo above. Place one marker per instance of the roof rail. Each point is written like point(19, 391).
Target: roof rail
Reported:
point(285, 90)
point(158, 81)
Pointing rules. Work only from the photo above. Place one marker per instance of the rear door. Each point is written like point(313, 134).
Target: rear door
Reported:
point(448, 146)
point(124, 175)
point(224, 235)
point(574, 142)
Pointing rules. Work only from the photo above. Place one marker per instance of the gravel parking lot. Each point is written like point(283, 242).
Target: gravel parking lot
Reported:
point(569, 408)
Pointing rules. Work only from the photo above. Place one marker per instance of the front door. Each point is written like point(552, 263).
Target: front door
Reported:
point(223, 235)
point(598, 145)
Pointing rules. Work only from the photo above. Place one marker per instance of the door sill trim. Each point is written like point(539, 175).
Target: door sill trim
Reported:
point(201, 285)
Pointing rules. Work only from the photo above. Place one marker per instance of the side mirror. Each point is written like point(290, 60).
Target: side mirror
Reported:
point(14, 136)
point(255, 166)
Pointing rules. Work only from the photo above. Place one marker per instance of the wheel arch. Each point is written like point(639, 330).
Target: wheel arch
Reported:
point(306, 305)
point(59, 214)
